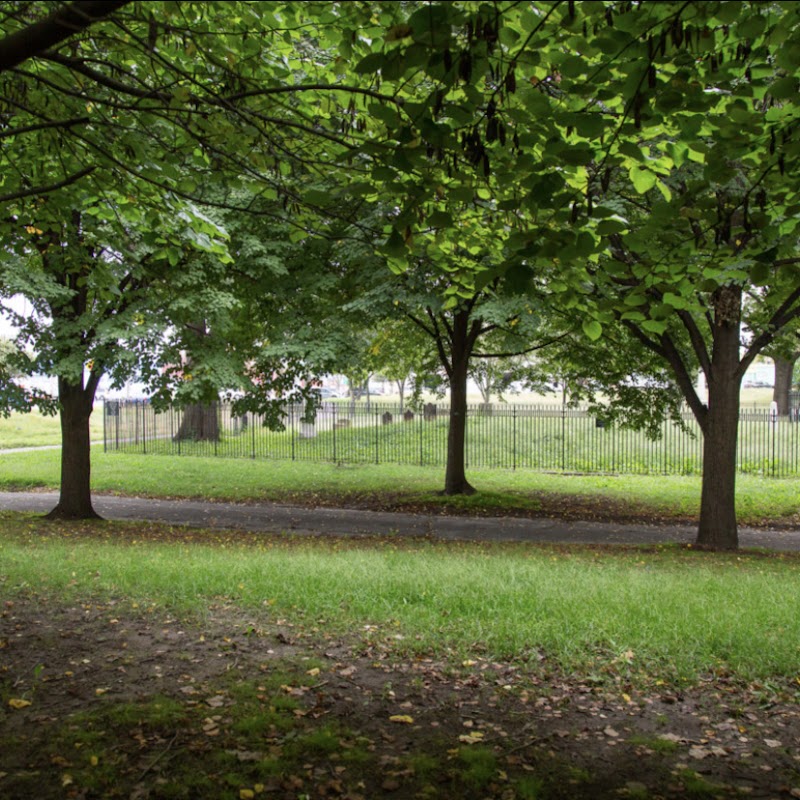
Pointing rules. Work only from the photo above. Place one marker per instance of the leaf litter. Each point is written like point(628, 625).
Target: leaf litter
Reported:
point(213, 710)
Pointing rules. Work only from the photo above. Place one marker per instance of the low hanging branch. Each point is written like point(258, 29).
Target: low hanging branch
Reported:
point(34, 39)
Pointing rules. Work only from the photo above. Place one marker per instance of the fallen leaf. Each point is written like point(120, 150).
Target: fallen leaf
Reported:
point(609, 731)
point(16, 702)
point(246, 794)
point(403, 719)
point(313, 672)
point(100, 692)
point(773, 743)
point(471, 738)
point(217, 701)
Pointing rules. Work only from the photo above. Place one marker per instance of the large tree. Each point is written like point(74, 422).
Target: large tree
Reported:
point(100, 286)
point(154, 109)
point(641, 152)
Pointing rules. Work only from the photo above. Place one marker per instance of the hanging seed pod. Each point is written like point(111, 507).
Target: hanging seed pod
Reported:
point(491, 109)
point(609, 18)
point(573, 217)
point(491, 130)
point(487, 170)
point(501, 134)
point(782, 164)
point(651, 77)
point(448, 59)
point(772, 142)
point(465, 66)
point(571, 10)
point(511, 79)
point(605, 180)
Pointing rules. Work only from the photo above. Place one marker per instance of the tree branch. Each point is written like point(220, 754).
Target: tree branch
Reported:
point(58, 123)
point(697, 340)
point(523, 352)
point(60, 25)
point(783, 315)
point(50, 187)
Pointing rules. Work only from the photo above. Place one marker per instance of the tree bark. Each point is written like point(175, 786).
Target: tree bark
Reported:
point(61, 24)
point(75, 499)
point(718, 528)
point(784, 369)
point(200, 424)
point(455, 480)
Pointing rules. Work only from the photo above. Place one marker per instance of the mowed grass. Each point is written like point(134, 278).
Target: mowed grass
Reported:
point(758, 499)
point(38, 430)
point(665, 614)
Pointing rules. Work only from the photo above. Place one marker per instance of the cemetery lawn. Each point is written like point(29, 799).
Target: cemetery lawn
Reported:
point(619, 498)
point(153, 661)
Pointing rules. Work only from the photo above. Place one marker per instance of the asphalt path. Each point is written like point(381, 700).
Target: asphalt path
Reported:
point(278, 518)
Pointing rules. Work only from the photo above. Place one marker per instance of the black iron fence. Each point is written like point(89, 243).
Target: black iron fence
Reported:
point(556, 438)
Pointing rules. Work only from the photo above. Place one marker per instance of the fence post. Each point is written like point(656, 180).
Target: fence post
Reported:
point(116, 423)
point(144, 431)
point(773, 418)
point(294, 432)
point(105, 426)
point(419, 425)
point(333, 423)
point(377, 435)
point(563, 437)
point(514, 438)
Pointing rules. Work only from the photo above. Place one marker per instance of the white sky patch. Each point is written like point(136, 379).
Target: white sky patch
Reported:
point(17, 304)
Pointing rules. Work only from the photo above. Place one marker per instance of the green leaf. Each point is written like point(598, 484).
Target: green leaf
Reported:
point(593, 329)
point(643, 180)
point(370, 64)
point(395, 247)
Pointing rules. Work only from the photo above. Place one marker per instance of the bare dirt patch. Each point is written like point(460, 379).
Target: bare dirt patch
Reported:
point(109, 700)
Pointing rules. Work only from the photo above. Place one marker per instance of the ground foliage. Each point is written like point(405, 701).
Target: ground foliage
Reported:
point(111, 697)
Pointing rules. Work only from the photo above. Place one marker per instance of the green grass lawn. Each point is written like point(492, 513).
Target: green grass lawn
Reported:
point(667, 614)
point(758, 499)
point(36, 430)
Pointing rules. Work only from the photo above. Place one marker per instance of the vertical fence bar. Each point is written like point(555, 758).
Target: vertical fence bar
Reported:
point(333, 418)
point(144, 431)
point(514, 441)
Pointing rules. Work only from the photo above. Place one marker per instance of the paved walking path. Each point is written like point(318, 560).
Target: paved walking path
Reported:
point(277, 518)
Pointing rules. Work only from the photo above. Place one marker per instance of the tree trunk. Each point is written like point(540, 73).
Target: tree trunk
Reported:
point(455, 480)
point(784, 369)
point(75, 500)
point(718, 527)
point(200, 424)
